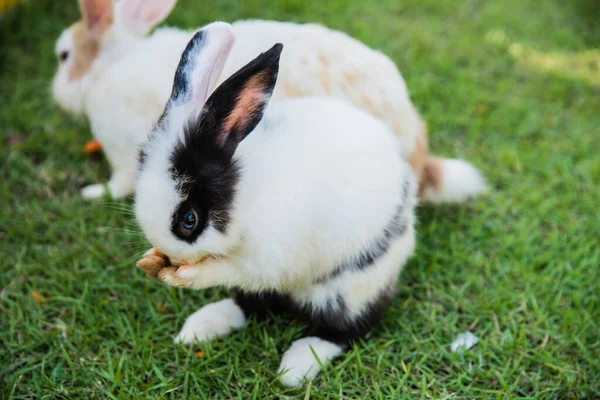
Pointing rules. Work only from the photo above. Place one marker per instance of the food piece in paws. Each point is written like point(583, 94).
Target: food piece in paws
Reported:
point(152, 262)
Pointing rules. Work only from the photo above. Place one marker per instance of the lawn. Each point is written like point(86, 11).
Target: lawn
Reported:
point(513, 86)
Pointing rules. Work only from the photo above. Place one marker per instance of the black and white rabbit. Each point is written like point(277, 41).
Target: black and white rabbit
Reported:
point(305, 205)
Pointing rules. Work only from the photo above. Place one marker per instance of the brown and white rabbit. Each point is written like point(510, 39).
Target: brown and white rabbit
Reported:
point(120, 79)
point(305, 205)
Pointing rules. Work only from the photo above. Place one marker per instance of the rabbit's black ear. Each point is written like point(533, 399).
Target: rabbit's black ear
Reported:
point(238, 104)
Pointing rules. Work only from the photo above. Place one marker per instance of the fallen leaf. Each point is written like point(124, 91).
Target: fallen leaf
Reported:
point(464, 341)
point(38, 297)
point(200, 354)
point(93, 146)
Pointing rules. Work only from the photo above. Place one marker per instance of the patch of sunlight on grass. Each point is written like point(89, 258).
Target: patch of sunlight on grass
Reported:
point(583, 65)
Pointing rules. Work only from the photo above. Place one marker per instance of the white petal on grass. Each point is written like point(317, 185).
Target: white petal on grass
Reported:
point(464, 341)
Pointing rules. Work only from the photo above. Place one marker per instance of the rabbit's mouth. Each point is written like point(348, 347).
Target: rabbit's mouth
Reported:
point(196, 261)
point(230, 253)
point(178, 262)
point(201, 259)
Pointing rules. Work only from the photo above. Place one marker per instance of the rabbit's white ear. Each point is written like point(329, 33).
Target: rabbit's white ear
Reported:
point(201, 65)
point(98, 15)
point(140, 16)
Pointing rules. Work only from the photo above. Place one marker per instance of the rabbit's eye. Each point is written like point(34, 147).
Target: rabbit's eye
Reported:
point(189, 222)
point(63, 55)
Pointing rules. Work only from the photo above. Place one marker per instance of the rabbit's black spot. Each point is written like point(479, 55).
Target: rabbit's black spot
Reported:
point(260, 305)
point(380, 245)
point(330, 321)
point(206, 179)
point(333, 322)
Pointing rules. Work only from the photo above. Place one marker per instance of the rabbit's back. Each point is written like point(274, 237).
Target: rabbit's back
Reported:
point(319, 180)
point(318, 61)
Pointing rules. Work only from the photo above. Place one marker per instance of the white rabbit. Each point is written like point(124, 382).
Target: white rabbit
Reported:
point(109, 72)
point(121, 81)
point(308, 206)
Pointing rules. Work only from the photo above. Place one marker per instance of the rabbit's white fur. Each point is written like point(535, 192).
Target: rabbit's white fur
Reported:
point(322, 215)
point(124, 92)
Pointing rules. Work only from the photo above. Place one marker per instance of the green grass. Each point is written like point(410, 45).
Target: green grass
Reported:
point(519, 268)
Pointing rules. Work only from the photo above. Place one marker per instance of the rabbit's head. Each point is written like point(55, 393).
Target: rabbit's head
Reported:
point(106, 32)
point(187, 177)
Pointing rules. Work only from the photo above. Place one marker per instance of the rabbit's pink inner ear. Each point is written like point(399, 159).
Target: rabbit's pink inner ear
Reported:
point(143, 15)
point(98, 15)
point(249, 103)
point(210, 60)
